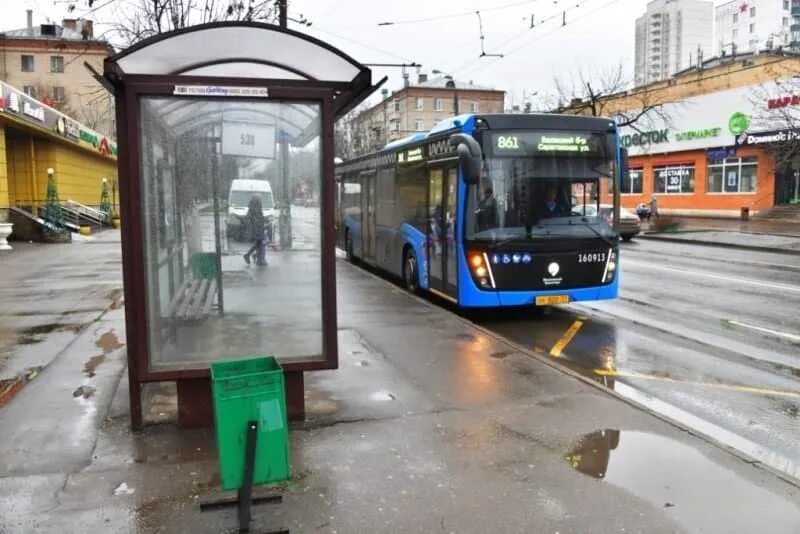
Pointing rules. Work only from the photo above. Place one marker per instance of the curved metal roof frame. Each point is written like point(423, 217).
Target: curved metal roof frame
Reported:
point(226, 50)
point(184, 115)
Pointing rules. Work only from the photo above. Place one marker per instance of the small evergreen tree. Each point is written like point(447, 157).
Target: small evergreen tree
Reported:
point(105, 204)
point(52, 206)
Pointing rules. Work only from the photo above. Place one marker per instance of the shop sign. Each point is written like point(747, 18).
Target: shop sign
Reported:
point(31, 110)
point(101, 143)
point(221, 90)
point(738, 123)
point(13, 102)
point(698, 134)
point(68, 127)
point(645, 138)
point(720, 153)
point(35, 112)
point(783, 101)
point(761, 138)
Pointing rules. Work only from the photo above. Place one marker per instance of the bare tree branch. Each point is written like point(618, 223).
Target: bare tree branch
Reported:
point(134, 20)
point(601, 95)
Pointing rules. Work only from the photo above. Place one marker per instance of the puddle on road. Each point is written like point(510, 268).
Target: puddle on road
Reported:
point(108, 342)
point(90, 366)
point(679, 478)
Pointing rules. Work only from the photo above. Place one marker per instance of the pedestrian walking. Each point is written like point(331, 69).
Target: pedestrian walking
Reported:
point(255, 231)
point(654, 207)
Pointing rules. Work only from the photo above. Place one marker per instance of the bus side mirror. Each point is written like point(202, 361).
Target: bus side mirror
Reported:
point(469, 156)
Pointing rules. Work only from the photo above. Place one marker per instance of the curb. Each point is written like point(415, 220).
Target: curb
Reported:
point(776, 250)
point(588, 381)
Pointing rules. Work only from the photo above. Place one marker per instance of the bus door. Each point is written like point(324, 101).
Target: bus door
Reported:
point(442, 187)
point(368, 216)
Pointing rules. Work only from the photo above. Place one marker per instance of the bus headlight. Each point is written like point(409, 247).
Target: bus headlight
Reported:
point(481, 270)
point(611, 266)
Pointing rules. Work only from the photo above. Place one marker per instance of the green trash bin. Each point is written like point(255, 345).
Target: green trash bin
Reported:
point(243, 391)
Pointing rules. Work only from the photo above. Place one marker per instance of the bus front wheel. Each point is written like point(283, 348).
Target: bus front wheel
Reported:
point(410, 275)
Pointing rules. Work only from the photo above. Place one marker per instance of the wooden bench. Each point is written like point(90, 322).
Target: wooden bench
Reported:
point(193, 300)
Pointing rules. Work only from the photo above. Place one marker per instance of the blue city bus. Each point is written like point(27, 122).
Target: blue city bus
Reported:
point(490, 210)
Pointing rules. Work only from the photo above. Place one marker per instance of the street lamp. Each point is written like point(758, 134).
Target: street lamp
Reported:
point(451, 84)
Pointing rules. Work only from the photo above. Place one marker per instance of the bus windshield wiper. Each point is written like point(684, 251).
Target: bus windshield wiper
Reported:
point(596, 232)
point(502, 242)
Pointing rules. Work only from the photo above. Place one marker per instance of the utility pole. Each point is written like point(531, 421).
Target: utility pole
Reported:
point(282, 15)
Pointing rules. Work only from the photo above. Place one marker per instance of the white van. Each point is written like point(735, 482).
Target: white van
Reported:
point(238, 200)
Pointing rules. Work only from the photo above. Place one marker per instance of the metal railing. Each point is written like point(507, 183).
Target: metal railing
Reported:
point(78, 212)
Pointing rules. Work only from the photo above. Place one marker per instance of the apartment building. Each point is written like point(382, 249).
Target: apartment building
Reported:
point(418, 107)
point(748, 26)
point(670, 36)
point(47, 62)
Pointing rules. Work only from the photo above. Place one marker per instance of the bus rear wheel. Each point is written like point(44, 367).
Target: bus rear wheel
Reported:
point(410, 276)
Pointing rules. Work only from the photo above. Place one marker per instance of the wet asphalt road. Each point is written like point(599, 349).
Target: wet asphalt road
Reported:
point(705, 335)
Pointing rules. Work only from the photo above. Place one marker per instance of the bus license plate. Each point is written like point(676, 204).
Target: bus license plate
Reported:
point(548, 300)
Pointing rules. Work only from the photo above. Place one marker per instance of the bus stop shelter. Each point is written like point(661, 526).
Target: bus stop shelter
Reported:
point(197, 109)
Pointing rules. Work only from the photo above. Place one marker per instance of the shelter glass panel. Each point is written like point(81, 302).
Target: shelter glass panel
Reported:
point(231, 215)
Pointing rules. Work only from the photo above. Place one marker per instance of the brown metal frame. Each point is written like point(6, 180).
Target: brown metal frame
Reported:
point(134, 276)
point(335, 98)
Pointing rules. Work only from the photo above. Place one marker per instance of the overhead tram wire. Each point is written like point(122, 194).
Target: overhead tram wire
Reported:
point(559, 14)
point(353, 41)
point(455, 15)
point(537, 37)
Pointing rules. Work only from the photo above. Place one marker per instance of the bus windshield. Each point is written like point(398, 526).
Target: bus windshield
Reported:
point(531, 183)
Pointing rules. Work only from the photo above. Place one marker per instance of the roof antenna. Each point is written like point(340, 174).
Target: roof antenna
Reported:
point(483, 50)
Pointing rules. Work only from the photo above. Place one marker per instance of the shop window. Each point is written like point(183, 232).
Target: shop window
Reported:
point(674, 179)
point(733, 175)
point(631, 184)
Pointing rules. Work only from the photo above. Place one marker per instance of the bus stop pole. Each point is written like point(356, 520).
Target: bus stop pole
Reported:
point(217, 238)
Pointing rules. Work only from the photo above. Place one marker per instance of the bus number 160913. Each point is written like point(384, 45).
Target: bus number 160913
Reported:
point(596, 257)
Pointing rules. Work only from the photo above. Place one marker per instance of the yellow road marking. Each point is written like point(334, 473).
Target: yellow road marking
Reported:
point(555, 352)
point(730, 387)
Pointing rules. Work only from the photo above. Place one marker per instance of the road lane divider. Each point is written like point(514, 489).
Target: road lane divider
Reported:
point(717, 385)
point(786, 335)
point(555, 352)
point(782, 287)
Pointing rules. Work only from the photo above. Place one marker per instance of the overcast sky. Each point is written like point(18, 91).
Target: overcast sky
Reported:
point(598, 35)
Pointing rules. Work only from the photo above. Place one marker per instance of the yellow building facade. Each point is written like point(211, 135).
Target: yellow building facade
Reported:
point(34, 138)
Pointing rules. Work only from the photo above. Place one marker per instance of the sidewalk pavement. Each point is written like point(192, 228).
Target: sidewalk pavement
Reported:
point(430, 425)
point(758, 235)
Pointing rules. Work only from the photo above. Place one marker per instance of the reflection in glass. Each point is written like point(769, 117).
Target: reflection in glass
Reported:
point(221, 178)
point(591, 455)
